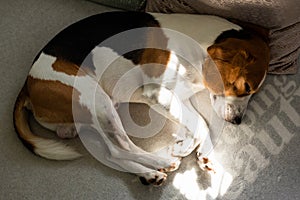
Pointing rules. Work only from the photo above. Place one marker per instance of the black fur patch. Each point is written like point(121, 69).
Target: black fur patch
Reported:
point(239, 34)
point(75, 42)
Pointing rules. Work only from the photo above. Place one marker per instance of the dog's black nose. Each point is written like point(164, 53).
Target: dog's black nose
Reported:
point(237, 120)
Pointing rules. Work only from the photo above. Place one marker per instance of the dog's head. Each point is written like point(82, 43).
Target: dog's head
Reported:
point(234, 70)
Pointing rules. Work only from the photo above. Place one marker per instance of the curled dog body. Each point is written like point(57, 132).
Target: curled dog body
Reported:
point(87, 69)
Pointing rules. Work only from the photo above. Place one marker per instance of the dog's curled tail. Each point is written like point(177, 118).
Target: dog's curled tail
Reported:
point(46, 148)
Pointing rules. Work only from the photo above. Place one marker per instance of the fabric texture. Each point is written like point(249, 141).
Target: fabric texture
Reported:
point(281, 17)
point(133, 5)
point(261, 155)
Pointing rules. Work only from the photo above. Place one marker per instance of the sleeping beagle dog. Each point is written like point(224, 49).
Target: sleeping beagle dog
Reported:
point(86, 70)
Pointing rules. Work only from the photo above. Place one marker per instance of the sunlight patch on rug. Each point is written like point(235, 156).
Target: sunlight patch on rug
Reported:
point(188, 185)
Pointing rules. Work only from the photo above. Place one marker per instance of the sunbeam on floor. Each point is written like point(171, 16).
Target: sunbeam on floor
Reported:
point(188, 185)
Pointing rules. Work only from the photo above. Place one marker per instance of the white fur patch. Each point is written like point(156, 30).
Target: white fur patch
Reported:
point(54, 150)
point(85, 85)
point(211, 26)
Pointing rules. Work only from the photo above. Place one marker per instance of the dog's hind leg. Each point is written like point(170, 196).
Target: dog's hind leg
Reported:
point(109, 143)
point(147, 175)
point(149, 167)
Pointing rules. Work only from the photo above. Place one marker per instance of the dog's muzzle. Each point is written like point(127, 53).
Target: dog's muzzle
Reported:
point(231, 109)
point(233, 113)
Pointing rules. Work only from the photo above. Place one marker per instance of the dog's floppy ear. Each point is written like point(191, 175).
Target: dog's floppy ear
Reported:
point(242, 58)
point(218, 52)
point(215, 51)
point(212, 77)
point(236, 57)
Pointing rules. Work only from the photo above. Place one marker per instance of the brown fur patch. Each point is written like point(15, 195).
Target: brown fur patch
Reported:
point(70, 68)
point(65, 66)
point(51, 102)
point(155, 60)
point(236, 67)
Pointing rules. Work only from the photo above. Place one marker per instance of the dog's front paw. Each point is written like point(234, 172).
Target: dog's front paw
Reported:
point(205, 163)
point(155, 178)
point(174, 166)
point(184, 145)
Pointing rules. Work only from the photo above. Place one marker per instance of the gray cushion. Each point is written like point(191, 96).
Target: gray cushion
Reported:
point(133, 5)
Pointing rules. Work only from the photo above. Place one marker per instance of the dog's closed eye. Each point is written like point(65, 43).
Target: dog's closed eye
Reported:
point(247, 87)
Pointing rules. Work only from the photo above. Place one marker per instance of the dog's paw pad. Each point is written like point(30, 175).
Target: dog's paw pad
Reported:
point(155, 179)
point(205, 164)
point(174, 166)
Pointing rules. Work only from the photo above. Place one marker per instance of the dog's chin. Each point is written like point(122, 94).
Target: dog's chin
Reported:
point(231, 109)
